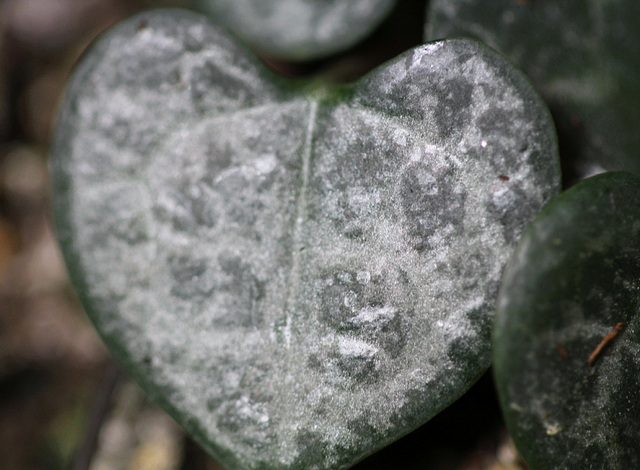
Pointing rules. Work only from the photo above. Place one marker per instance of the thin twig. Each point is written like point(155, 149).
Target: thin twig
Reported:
point(612, 334)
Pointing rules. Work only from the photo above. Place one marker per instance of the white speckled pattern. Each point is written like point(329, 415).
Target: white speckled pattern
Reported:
point(298, 278)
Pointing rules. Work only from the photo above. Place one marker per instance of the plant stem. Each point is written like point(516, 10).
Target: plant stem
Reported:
point(100, 408)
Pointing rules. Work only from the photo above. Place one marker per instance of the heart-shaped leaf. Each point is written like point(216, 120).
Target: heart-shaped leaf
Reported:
point(299, 276)
point(582, 57)
point(299, 29)
point(566, 345)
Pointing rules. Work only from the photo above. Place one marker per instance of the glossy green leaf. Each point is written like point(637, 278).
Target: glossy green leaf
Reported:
point(573, 278)
point(299, 29)
point(299, 275)
point(582, 56)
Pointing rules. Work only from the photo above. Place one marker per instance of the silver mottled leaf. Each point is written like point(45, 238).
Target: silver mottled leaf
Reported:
point(299, 29)
point(299, 277)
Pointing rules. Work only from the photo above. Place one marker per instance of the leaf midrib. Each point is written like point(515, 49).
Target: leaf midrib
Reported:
point(300, 214)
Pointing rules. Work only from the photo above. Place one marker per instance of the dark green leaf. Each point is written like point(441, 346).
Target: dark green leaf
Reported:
point(573, 278)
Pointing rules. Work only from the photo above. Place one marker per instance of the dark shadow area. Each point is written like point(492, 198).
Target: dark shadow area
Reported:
point(461, 436)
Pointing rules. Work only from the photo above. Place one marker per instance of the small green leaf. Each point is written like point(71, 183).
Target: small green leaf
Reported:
point(582, 56)
point(300, 276)
point(573, 282)
point(299, 29)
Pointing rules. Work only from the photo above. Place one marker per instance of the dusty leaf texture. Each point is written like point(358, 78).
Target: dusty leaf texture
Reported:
point(298, 276)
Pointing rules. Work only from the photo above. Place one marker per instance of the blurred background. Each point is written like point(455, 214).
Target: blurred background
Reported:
point(64, 404)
